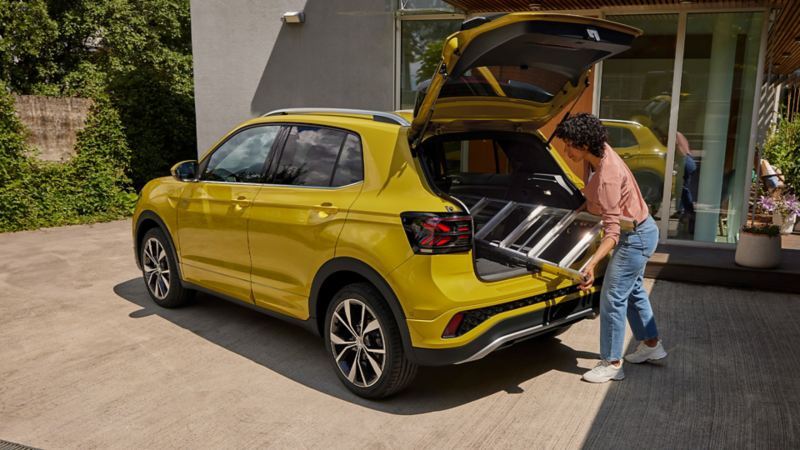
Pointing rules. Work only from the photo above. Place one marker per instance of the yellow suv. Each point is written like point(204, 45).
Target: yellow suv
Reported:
point(402, 239)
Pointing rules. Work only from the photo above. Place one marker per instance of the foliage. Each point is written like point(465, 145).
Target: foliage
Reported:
point(782, 150)
point(769, 230)
point(93, 186)
point(134, 53)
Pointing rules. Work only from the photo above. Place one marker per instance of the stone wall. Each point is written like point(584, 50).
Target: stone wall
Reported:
point(53, 123)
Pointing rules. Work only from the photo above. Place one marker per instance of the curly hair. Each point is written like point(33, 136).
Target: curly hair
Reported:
point(584, 131)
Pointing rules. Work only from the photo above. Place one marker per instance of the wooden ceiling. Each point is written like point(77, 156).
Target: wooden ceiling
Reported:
point(784, 36)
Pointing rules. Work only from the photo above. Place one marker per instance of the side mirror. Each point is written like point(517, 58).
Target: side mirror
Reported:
point(185, 171)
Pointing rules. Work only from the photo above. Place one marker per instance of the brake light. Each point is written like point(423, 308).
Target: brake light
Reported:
point(432, 233)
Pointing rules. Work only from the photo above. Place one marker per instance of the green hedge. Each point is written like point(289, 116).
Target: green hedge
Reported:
point(93, 186)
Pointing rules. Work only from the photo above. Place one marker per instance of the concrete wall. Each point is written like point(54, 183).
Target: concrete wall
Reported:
point(53, 123)
point(248, 62)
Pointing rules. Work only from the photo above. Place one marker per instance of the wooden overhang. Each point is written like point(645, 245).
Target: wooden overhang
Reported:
point(783, 47)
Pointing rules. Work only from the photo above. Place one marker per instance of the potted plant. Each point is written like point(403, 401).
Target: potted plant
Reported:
point(759, 244)
point(784, 210)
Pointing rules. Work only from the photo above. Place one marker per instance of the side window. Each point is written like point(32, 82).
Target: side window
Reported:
point(620, 137)
point(309, 156)
point(350, 167)
point(241, 158)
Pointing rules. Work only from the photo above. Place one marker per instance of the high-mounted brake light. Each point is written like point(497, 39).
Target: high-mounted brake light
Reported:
point(432, 233)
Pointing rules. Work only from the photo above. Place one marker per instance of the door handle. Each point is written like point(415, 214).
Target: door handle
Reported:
point(327, 207)
point(241, 202)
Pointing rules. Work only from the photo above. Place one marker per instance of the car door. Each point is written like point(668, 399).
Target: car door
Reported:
point(297, 216)
point(213, 212)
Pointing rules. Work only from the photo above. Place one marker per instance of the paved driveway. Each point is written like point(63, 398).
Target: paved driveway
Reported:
point(87, 360)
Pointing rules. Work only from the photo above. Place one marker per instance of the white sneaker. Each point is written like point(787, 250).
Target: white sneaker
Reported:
point(646, 353)
point(604, 371)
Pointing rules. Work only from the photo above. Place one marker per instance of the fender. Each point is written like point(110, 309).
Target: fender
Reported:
point(150, 215)
point(346, 264)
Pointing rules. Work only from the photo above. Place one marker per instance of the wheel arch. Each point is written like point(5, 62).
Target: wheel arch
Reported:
point(339, 272)
point(148, 220)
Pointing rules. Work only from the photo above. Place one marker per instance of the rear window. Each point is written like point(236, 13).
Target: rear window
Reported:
point(619, 137)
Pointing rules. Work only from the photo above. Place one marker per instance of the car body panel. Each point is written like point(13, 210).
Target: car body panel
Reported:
point(292, 232)
point(213, 222)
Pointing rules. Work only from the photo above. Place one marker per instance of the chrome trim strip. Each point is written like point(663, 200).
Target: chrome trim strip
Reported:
point(378, 116)
point(520, 334)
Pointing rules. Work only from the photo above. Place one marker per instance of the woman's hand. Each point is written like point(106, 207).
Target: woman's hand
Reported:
point(588, 278)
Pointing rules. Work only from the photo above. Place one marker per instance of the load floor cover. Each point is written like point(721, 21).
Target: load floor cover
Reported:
point(533, 236)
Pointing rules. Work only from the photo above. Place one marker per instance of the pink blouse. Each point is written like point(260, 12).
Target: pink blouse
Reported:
point(612, 193)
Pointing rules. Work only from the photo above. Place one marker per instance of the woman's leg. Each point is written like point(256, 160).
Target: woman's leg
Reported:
point(618, 284)
point(640, 313)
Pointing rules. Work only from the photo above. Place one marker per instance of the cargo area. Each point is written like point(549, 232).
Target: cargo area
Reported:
point(522, 204)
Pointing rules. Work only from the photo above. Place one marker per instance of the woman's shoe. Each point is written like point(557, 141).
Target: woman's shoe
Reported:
point(645, 353)
point(604, 371)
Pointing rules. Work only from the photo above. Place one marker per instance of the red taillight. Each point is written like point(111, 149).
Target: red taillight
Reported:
point(438, 232)
point(452, 327)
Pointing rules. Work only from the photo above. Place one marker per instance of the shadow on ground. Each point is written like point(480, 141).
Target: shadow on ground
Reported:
point(730, 380)
point(299, 355)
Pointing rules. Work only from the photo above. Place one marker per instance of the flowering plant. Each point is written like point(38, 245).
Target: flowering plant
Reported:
point(785, 205)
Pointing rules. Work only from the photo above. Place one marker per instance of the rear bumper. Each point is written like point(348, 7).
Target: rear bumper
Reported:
point(511, 331)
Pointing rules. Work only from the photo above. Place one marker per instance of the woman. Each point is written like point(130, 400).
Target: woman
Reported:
point(612, 193)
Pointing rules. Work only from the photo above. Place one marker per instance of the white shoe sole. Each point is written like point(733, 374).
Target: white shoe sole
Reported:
point(617, 377)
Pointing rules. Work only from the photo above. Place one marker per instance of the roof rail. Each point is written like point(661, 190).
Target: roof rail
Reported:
point(377, 116)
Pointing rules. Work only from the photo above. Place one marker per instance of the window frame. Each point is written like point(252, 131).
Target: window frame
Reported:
point(273, 165)
point(203, 164)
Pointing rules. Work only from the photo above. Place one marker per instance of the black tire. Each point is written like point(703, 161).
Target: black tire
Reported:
point(397, 371)
point(167, 272)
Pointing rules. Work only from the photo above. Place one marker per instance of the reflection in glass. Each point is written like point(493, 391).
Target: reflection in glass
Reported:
point(421, 52)
point(309, 156)
point(635, 85)
point(716, 105)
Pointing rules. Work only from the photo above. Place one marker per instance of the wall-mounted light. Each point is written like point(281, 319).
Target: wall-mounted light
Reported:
point(293, 17)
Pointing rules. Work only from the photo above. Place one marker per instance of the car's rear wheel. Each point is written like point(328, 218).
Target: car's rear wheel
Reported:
point(364, 343)
point(160, 271)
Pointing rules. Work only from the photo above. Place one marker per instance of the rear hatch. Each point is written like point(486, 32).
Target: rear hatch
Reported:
point(514, 72)
point(475, 129)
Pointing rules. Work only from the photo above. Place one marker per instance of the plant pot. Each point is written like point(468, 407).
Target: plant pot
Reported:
point(759, 251)
point(785, 223)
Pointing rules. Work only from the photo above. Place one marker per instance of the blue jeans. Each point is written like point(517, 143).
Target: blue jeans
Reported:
point(623, 293)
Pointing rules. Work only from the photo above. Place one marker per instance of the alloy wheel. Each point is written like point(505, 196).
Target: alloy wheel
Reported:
point(357, 343)
point(156, 268)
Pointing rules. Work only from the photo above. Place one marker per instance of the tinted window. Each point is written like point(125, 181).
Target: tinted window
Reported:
point(349, 168)
point(309, 156)
point(620, 137)
point(241, 158)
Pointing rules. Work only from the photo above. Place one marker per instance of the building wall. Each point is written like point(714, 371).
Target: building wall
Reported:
point(53, 123)
point(247, 62)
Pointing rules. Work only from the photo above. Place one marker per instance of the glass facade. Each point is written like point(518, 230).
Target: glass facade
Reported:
point(632, 89)
point(420, 53)
point(715, 116)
